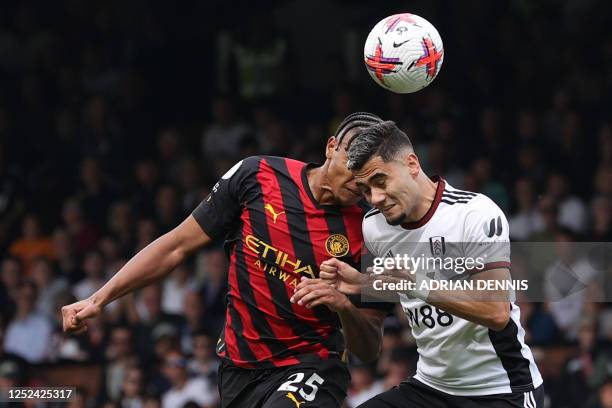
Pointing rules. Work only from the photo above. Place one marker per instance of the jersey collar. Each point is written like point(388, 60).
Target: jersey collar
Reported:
point(432, 209)
point(306, 185)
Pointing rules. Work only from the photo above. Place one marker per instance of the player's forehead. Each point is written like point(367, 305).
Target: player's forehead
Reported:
point(373, 169)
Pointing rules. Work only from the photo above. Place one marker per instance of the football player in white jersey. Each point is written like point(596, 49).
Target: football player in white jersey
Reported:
point(470, 343)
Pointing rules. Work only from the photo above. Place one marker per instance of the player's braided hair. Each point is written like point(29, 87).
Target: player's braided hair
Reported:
point(357, 119)
point(383, 139)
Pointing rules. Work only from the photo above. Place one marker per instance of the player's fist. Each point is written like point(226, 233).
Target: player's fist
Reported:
point(75, 315)
point(342, 276)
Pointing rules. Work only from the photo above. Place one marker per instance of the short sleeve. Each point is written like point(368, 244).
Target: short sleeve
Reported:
point(218, 213)
point(486, 236)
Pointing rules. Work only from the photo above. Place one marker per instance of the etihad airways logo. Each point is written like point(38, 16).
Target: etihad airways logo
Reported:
point(273, 260)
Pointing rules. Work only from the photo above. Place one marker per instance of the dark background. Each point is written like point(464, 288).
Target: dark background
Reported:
point(116, 118)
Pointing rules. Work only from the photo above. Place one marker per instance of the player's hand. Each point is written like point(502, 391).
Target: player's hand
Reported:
point(75, 315)
point(342, 276)
point(314, 292)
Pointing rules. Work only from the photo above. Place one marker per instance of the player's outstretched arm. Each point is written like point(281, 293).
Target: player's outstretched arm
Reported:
point(151, 264)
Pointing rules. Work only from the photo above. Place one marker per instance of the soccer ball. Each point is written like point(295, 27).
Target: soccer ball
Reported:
point(403, 53)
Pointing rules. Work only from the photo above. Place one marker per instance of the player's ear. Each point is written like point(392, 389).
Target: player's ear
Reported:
point(412, 162)
point(330, 147)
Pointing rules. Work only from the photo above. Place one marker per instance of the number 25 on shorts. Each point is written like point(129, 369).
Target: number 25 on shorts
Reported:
point(308, 392)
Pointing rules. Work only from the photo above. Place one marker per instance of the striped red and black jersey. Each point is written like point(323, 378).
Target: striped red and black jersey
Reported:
point(275, 233)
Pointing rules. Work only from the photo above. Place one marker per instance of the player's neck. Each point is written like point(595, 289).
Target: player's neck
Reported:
point(428, 192)
point(319, 185)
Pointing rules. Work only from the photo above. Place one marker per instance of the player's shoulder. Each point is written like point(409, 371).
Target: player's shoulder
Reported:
point(466, 201)
point(279, 164)
point(263, 162)
point(374, 223)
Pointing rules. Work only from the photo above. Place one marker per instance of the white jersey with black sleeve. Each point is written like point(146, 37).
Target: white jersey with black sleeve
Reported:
point(457, 356)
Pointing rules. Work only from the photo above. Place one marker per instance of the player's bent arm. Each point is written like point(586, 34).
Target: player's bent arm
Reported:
point(362, 327)
point(363, 331)
point(154, 262)
point(488, 308)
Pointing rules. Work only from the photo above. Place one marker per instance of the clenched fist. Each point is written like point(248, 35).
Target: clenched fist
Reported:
point(75, 315)
point(342, 276)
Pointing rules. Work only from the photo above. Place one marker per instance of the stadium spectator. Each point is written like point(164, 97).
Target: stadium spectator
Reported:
point(120, 224)
point(213, 289)
point(120, 357)
point(568, 282)
point(601, 224)
point(604, 395)
point(49, 286)
point(203, 362)
point(94, 268)
point(168, 210)
point(29, 333)
point(193, 311)
point(13, 368)
point(32, 243)
point(572, 211)
point(146, 232)
point(146, 175)
point(132, 388)
point(526, 220)
point(95, 192)
point(169, 151)
point(224, 134)
point(176, 288)
point(363, 386)
point(11, 275)
point(586, 371)
point(84, 236)
point(185, 389)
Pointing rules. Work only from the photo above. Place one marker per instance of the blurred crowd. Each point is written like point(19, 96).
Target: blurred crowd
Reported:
point(117, 117)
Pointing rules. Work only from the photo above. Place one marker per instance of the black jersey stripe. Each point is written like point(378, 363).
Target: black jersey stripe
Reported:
point(508, 349)
point(371, 213)
point(456, 197)
point(452, 202)
point(246, 354)
point(298, 230)
point(461, 192)
point(258, 316)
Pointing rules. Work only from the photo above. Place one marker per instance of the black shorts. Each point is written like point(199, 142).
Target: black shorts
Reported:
point(414, 394)
point(322, 383)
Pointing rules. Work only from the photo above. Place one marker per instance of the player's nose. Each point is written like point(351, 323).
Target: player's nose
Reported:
point(378, 197)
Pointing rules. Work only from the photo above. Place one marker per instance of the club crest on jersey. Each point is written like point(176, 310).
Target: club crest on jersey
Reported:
point(337, 245)
point(437, 246)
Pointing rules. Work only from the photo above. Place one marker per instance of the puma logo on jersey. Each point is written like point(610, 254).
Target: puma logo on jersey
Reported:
point(493, 227)
point(275, 215)
point(295, 401)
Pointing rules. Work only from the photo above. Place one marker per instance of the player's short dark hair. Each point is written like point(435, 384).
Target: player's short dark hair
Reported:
point(383, 139)
point(355, 120)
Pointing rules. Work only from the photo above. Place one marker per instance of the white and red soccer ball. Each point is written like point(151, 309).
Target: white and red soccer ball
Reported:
point(403, 53)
